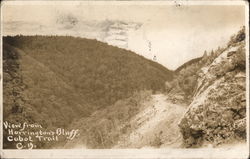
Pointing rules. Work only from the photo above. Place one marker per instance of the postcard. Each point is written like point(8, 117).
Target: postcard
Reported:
point(124, 79)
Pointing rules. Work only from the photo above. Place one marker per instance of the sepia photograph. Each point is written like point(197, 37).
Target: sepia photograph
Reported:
point(124, 79)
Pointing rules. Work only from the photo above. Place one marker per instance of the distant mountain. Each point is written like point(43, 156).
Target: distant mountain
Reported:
point(53, 80)
point(191, 62)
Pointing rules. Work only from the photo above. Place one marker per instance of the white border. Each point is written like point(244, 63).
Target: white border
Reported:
point(129, 2)
point(1, 82)
point(132, 153)
point(247, 73)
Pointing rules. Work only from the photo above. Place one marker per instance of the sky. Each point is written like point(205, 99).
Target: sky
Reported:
point(174, 35)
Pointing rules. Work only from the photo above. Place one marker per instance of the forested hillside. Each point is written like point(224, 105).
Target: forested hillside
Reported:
point(53, 80)
point(94, 68)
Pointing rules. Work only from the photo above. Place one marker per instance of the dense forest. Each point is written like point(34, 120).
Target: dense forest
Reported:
point(54, 80)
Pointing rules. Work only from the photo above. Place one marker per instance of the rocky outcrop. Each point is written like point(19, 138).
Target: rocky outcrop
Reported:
point(217, 113)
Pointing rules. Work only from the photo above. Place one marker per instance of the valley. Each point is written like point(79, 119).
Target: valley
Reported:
point(118, 99)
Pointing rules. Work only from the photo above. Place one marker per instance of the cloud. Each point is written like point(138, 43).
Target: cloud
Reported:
point(177, 34)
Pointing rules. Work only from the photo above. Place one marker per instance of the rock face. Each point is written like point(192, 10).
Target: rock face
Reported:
point(217, 113)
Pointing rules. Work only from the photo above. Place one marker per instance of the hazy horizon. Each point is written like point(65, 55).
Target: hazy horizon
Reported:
point(173, 34)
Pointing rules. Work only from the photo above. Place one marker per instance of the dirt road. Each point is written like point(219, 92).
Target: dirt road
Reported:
point(156, 125)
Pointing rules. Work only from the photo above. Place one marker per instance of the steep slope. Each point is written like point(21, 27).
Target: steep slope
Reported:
point(217, 113)
point(55, 80)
